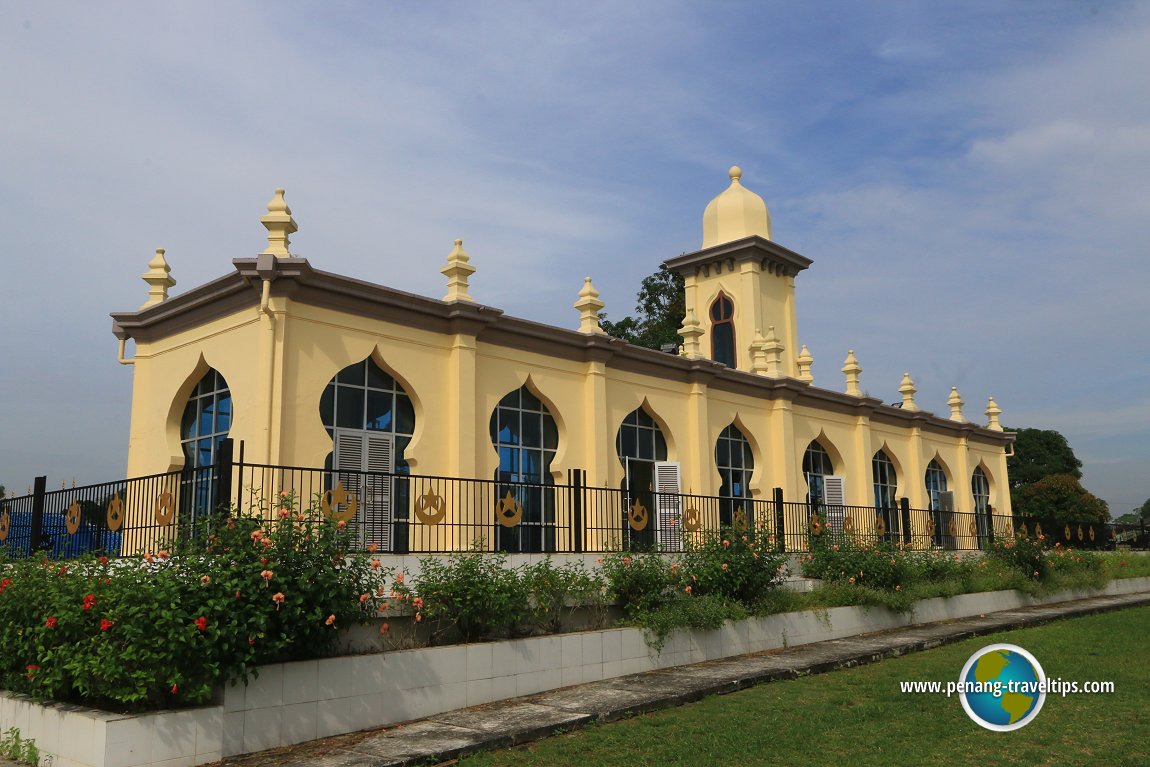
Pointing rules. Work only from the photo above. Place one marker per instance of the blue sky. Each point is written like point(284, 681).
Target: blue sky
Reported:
point(969, 178)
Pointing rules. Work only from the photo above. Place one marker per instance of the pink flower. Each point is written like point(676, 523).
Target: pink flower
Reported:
point(205, 580)
point(851, 579)
point(724, 567)
point(175, 689)
point(898, 588)
point(726, 543)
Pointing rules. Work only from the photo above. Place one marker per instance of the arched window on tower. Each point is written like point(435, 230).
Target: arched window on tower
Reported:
point(723, 330)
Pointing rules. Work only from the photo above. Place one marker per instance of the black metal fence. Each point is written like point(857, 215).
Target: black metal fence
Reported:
point(405, 513)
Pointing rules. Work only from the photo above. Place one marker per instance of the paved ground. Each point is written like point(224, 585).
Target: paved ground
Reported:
point(447, 736)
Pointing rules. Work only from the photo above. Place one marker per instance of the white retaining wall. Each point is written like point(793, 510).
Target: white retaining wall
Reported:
point(295, 702)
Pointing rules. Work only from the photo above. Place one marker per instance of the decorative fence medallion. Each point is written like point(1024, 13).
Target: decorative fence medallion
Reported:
point(115, 513)
point(338, 497)
point(1080, 532)
point(165, 509)
point(637, 516)
point(1038, 530)
point(739, 522)
point(72, 517)
point(1066, 532)
point(973, 528)
point(1023, 531)
point(816, 525)
point(952, 528)
point(879, 524)
point(430, 508)
point(1092, 533)
point(510, 511)
point(691, 520)
point(849, 525)
point(4, 523)
point(930, 527)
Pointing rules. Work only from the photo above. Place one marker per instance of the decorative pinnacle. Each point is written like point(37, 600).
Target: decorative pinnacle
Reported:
point(458, 271)
point(589, 306)
point(993, 411)
point(955, 402)
point(805, 360)
point(907, 390)
point(852, 369)
point(159, 279)
point(690, 331)
point(735, 173)
point(280, 226)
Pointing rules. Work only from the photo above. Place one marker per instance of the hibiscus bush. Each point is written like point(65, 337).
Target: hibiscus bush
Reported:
point(730, 564)
point(166, 627)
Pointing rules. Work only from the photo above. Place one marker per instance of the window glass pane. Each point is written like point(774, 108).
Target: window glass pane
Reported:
point(349, 407)
point(660, 446)
point(404, 415)
point(207, 416)
point(352, 374)
point(550, 433)
point(376, 378)
point(508, 426)
point(529, 401)
point(532, 469)
point(629, 446)
point(223, 413)
point(379, 410)
point(646, 444)
point(509, 461)
point(531, 430)
point(189, 454)
point(723, 343)
point(188, 422)
point(723, 453)
point(327, 406)
point(204, 452)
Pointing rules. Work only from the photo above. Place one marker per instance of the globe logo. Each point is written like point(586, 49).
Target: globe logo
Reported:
point(1002, 687)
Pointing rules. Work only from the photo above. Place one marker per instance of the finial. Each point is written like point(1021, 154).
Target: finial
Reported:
point(589, 306)
point(159, 279)
point(955, 402)
point(993, 411)
point(805, 360)
point(907, 390)
point(735, 173)
point(690, 331)
point(758, 353)
point(458, 271)
point(851, 369)
point(280, 225)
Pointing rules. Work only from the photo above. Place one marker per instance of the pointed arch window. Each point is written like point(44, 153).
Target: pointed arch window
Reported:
point(370, 419)
point(641, 448)
point(980, 489)
point(205, 423)
point(941, 505)
point(885, 492)
point(524, 433)
point(723, 330)
point(736, 463)
point(817, 466)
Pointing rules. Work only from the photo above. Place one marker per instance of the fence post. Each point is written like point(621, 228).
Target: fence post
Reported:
point(223, 488)
point(780, 532)
point(904, 508)
point(576, 480)
point(36, 540)
point(240, 479)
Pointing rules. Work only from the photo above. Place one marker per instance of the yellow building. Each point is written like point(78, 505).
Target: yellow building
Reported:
point(315, 370)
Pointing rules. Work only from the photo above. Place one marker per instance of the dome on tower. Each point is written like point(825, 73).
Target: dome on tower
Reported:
point(736, 213)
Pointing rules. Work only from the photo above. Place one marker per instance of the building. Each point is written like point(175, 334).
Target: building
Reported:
point(316, 370)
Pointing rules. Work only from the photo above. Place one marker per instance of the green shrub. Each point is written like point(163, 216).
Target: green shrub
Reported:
point(729, 564)
point(638, 583)
point(1021, 554)
point(855, 562)
point(166, 628)
point(557, 591)
point(473, 592)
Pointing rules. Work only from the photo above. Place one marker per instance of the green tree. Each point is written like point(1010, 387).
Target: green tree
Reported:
point(1062, 499)
point(1144, 512)
point(659, 312)
point(1040, 453)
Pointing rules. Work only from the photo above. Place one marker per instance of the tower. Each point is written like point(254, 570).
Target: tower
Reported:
point(741, 283)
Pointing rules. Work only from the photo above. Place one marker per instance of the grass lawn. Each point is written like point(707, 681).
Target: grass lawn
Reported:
point(858, 718)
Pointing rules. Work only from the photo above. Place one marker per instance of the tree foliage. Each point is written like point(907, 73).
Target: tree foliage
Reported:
point(659, 311)
point(1062, 499)
point(1040, 453)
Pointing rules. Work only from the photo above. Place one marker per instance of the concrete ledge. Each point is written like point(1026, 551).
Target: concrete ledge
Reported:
point(296, 702)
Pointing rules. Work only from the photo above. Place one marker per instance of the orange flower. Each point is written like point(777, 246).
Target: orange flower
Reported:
point(330, 619)
point(375, 563)
point(257, 535)
point(724, 567)
point(162, 554)
point(417, 603)
point(50, 623)
point(383, 607)
point(399, 578)
point(383, 628)
point(205, 580)
point(687, 590)
point(364, 597)
point(278, 598)
point(418, 617)
point(341, 525)
point(372, 548)
point(267, 575)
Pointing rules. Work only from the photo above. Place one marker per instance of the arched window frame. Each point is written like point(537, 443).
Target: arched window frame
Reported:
point(980, 491)
point(199, 439)
point(935, 481)
point(736, 463)
point(365, 397)
point(885, 481)
point(526, 437)
point(817, 464)
point(723, 342)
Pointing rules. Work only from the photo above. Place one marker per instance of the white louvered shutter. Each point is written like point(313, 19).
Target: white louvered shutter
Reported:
point(348, 461)
point(834, 496)
point(668, 505)
point(375, 512)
